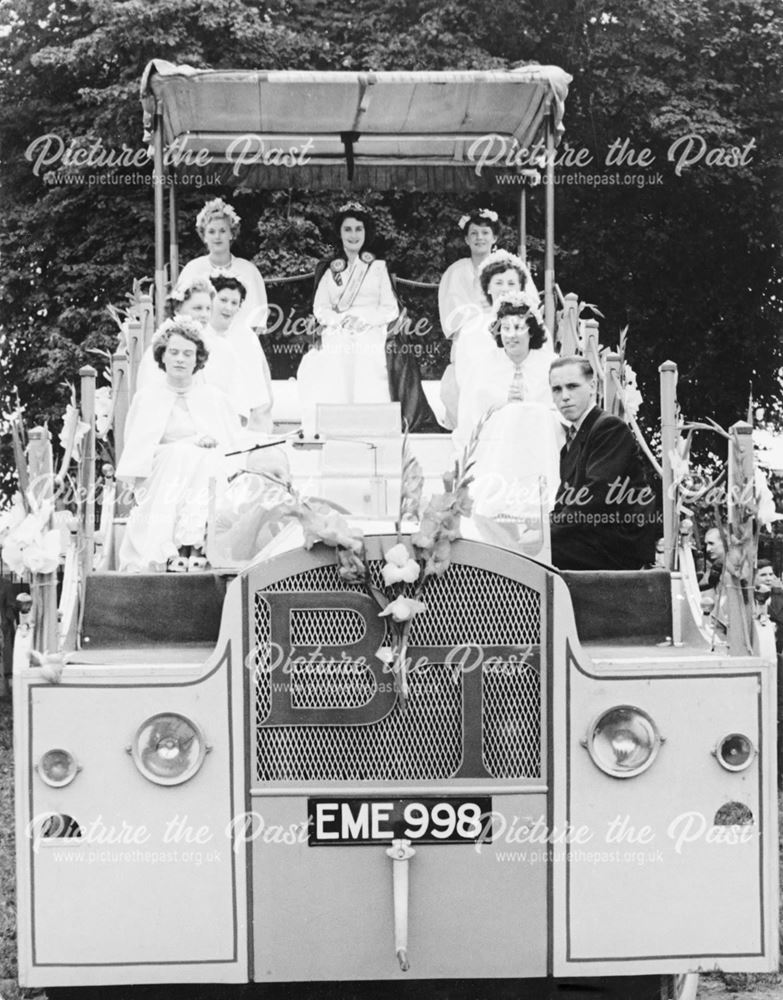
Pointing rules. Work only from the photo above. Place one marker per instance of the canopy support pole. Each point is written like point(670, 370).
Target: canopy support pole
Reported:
point(668, 381)
point(173, 235)
point(523, 223)
point(157, 182)
point(549, 253)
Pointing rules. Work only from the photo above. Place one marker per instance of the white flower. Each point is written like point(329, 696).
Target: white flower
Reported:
point(403, 609)
point(463, 221)
point(767, 513)
point(11, 518)
point(386, 655)
point(103, 410)
point(43, 554)
point(12, 555)
point(73, 430)
point(632, 398)
point(680, 465)
point(400, 567)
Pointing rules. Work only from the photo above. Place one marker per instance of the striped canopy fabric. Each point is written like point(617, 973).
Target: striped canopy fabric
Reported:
point(445, 131)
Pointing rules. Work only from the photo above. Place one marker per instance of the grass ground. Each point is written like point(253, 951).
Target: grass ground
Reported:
point(719, 986)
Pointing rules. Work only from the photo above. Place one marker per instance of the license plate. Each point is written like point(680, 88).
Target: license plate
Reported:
point(332, 822)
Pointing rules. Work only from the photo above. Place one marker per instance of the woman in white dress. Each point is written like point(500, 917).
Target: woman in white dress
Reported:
point(218, 224)
point(176, 436)
point(460, 297)
point(354, 305)
point(249, 385)
point(223, 368)
point(500, 274)
point(517, 458)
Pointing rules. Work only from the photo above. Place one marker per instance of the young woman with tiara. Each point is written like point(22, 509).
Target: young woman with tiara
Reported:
point(356, 360)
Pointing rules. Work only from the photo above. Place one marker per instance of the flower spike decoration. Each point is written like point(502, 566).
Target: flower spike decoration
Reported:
point(217, 208)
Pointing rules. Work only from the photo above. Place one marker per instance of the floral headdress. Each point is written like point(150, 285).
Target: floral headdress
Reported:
point(517, 300)
point(179, 295)
point(503, 257)
point(482, 213)
point(217, 208)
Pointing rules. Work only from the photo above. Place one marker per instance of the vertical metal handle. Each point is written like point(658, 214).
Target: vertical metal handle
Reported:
point(400, 852)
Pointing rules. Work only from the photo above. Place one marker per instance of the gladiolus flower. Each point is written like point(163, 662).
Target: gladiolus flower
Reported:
point(403, 609)
point(400, 567)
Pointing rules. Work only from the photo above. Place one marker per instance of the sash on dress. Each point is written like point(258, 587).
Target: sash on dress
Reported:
point(356, 274)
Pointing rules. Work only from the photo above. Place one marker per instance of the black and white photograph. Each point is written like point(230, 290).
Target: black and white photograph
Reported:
point(391, 500)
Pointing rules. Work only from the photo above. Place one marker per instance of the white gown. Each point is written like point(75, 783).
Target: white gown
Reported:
point(516, 474)
point(460, 298)
point(349, 367)
point(160, 448)
point(257, 381)
point(223, 370)
point(465, 317)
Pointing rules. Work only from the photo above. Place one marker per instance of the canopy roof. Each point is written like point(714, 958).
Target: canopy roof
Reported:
point(452, 130)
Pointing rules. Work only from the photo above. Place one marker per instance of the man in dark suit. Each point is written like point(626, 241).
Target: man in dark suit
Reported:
point(603, 512)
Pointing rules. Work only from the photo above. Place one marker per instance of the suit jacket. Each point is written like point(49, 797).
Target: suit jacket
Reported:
point(604, 496)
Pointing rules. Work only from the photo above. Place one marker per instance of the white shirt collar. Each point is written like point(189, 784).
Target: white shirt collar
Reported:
point(578, 423)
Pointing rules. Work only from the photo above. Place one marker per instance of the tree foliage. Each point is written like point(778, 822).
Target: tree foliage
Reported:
point(692, 264)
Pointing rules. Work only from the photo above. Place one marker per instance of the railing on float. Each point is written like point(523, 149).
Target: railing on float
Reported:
point(573, 334)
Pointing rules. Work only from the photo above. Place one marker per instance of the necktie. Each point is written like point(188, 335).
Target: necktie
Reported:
point(517, 389)
point(570, 435)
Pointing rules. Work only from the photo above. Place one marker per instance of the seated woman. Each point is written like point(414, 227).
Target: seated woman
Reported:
point(218, 224)
point(223, 368)
point(176, 436)
point(501, 273)
point(248, 387)
point(517, 457)
point(354, 304)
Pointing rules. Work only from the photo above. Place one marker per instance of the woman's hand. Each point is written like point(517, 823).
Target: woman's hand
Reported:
point(206, 442)
point(354, 324)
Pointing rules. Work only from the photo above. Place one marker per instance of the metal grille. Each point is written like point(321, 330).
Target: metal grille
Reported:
point(326, 627)
point(466, 606)
point(260, 656)
point(511, 724)
point(492, 610)
point(424, 741)
point(331, 684)
point(470, 605)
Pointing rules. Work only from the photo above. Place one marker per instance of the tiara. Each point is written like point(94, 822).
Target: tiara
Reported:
point(503, 257)
point(482, 213)
point(352, 206)
point(217, 207)
point(517, 300)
